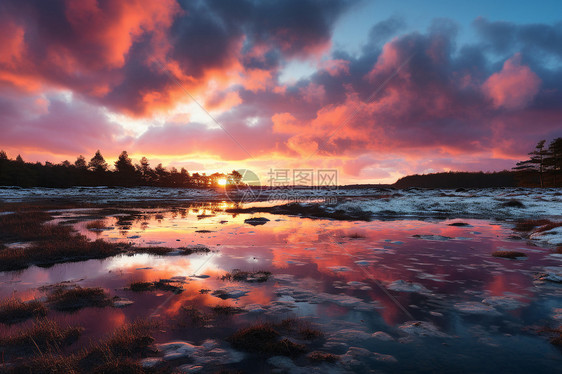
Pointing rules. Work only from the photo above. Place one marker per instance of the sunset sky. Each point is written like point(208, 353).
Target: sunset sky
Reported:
point(375, 89)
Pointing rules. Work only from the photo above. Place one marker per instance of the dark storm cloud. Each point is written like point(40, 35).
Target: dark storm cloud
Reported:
point(105, 51)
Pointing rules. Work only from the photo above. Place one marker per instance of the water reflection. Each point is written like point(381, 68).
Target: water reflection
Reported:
point(368, 276)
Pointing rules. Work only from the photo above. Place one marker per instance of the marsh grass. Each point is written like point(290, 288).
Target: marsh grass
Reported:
point(74, 299)
point(191, 316)
point(161, 285)
point(49, 363)
point(131, 340)
point(528, 225)
point(264, 338)
point(25, 226)
point(318, 356)
point(226, 309)
point(163, 251)
point(117, 353)
point(194, 249)
point(509, 254)
point(554, 333)
point(513, 203)
point(270, 338)
point(355, 236)
point(156, 251)
point(302, 328)
point(549, 226)
point(57, 250)
point(44, 334)
point(13, 310)
point(97, 225)
point(56, 243)
point(237, 275)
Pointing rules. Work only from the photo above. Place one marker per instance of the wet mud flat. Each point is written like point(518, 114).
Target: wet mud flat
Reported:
point(216, 286)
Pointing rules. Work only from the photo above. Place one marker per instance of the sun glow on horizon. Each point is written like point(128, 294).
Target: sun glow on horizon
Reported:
point(222, 182)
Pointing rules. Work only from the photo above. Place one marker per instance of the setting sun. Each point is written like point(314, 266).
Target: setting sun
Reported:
point(222, 182)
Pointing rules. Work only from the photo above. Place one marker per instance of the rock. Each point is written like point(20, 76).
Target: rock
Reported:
point(381, 335)
point(121, 302)
point(175, 350)
point(208, 352)
point(356, 358)
point(189, 368)
point(151, 362)
point(385, 358)
point(257, 221)
point(513, 203)
point(422, 328)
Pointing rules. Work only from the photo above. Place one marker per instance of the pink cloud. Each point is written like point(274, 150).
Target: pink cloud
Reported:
point(514, 86)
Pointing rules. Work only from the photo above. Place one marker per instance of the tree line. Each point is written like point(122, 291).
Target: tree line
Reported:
point(542, 169)
point(97, 172)
point(544, 166)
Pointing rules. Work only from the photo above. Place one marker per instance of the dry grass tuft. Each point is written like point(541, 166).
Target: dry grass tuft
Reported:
point(191, 316)
point(549, 226)
point(226, 309)
point(14, 310)
point(97, 225)
point(131, 340)
point(356, 236)
point(508, 254)
point(50, 363)
point(318, 356)
point(77, 298)
point(162, 285)
point(62, 246)
point(265, 338)
point(25, 226)
point(44, 334)
point(237, 275)
point(528, 225)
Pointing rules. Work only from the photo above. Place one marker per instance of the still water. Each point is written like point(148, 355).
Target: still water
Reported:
point(361, 283)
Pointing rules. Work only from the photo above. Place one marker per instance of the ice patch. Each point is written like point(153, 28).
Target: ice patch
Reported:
point(231, 292)
point(503, 302)
point(404, 286)
point(350, 336)
point(550, 274)
point(472, 307)
point(550, 237)
point(208, 352)
point(381, 335)
point(432, 237)
point(312, 297)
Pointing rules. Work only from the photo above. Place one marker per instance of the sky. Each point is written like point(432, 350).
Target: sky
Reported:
point(373, 89)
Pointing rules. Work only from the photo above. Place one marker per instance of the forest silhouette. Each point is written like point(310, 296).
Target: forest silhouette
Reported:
point(97, 172)
point(542, 169)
